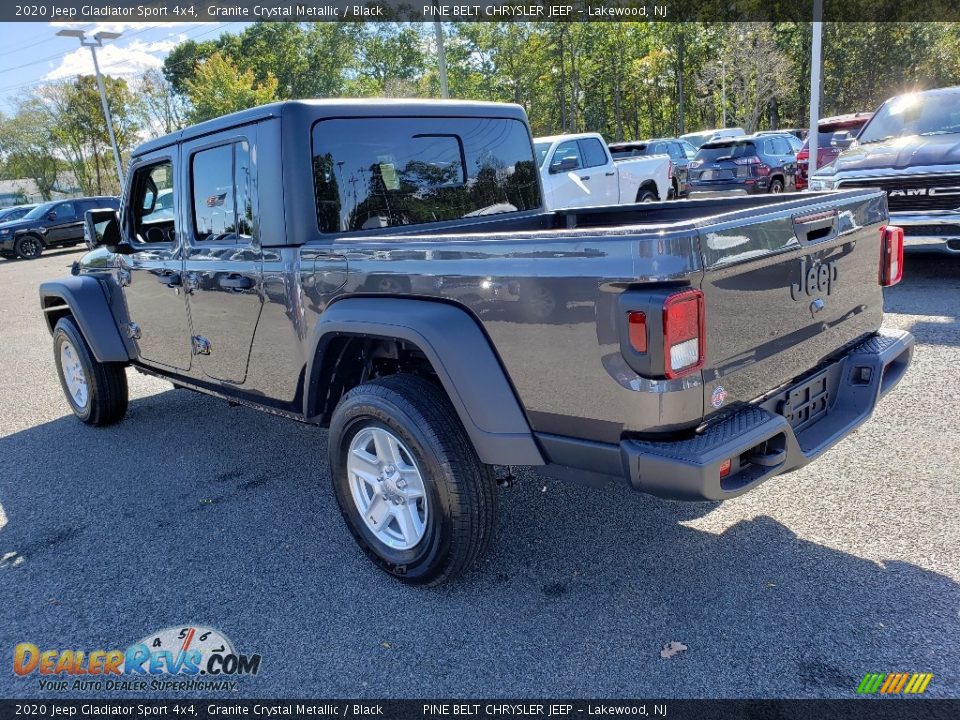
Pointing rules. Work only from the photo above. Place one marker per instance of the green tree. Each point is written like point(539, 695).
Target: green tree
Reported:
point(219, 87)
point(28, 148)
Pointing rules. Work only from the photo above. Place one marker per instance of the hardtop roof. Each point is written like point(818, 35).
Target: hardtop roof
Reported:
point(337, 107)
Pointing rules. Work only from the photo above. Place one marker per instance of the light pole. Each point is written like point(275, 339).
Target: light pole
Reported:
point(93, 45)
point(815, 60)
point(441, 59)
point(723, 91)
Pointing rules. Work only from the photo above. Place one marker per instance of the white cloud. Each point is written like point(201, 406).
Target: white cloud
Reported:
point(125, 27)
point(114, 60)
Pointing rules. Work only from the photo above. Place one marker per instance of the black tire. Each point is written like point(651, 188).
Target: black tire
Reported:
point(461, 491)
point(28, 247)
point(646, 195)
point(107, 394)
point(776, 186)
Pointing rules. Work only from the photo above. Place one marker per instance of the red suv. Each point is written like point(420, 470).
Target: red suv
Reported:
point(834, 136)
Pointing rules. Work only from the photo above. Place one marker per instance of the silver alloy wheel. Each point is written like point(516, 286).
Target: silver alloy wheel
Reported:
point(387, 488)
point(73, 374)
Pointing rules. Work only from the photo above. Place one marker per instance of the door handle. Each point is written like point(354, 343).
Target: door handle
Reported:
point(170, 279)
point(584, 177)
point(236, 282)
point(611, 173)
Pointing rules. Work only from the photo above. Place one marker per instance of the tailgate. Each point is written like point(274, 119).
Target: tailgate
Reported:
point(787, 286)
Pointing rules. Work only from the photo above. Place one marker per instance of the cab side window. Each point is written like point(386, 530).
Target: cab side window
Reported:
point(593, 153)
point(64, 211)
point(222, 196)
point(154, 220)
point(568, 149)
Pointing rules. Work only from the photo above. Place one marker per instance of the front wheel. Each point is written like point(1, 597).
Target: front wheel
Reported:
point(410, 486)
point(97, 392)
point(28, 247)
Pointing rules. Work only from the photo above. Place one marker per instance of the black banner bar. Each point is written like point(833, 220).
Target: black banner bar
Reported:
point(877, 708)
point(192, 11)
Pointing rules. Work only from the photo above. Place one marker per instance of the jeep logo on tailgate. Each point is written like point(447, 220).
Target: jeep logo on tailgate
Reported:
point(816, 277)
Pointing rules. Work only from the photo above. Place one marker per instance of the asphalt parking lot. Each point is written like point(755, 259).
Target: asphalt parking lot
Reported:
point(193, 512)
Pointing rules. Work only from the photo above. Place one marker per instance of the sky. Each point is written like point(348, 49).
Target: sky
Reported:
point(32, 53)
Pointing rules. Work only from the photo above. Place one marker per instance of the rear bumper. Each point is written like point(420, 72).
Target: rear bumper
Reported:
point(758, 439)
point(932, 232)
point(718, 189)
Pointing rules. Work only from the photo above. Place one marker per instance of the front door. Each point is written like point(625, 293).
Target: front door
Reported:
point(63, 224)
point(223, 260)
point(152, 276)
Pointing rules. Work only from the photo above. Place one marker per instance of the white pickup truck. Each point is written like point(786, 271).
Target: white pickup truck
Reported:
point(578, 171)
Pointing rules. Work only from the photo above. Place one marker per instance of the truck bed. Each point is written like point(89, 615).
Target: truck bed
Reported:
point(548, 291)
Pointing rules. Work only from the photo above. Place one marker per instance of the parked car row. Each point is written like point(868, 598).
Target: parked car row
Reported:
point(582, 170)
point(58, 223)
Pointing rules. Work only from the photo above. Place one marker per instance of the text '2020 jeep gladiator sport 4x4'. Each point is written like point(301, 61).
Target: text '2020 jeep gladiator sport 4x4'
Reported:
point(371, 267)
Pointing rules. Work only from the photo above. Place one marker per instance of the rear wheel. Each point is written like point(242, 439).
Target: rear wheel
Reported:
point(29, 247)
point(96, 391)
point(410, 486)
point(645, 195)
point(776, 185)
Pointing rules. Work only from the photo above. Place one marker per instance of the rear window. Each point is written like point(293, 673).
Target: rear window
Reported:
point(374, 173)
point(711, 152)
point(623, 151)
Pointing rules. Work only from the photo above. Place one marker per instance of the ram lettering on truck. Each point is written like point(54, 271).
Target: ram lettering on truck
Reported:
point(386, 270)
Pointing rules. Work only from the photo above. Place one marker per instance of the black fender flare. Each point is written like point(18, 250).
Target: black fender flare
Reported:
point(87, 300)
point(462, 357)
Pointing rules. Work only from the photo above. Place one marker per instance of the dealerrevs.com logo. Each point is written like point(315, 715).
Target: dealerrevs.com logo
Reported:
point(177, 658)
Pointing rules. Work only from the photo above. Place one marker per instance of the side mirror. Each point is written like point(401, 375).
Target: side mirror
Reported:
point(101, 228)
point(564, 165)
point(842, 143)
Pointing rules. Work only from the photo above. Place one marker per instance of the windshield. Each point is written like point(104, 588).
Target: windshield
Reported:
point(698, 139)
point(541, 149)
point(914, 114)
point(713, 152)
point(39, 211)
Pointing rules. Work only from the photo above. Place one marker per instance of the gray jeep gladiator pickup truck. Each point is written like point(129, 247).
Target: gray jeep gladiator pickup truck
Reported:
point(384, 269)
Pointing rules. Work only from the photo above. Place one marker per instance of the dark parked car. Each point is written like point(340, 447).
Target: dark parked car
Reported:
point(752, 164)
point(680, 152)
point(834, 135)
point(9, 214)
point(52, 224)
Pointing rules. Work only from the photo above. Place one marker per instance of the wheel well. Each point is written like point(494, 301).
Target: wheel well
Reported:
point(351, 360)
point(54, 308)
point(648, 185)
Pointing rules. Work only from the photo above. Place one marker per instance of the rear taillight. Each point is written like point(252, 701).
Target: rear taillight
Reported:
point(695, 163)
point(891, 255)
point(684, 339)
point(637, 330)
point(751, 160)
